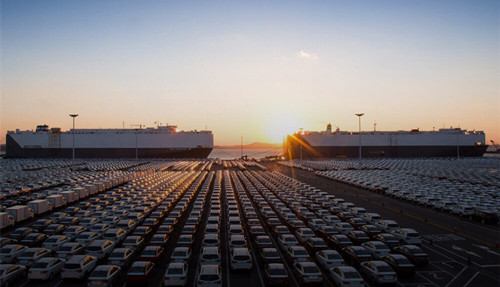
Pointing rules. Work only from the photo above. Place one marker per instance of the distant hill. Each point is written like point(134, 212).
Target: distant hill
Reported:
point(251, 146)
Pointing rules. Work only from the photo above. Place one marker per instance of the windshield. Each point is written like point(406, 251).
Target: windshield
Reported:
point(311, 269)
point(100, 274)
point(137, 269)
point(277, 271)
point(174, 271)
point(39, 265)
point(209, 277)
point(351, 275)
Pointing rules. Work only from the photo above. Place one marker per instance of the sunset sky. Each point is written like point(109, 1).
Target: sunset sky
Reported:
point(255, 69)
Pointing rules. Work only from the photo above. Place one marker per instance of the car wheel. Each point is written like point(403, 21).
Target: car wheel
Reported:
point(483, 221)
point(461, 214)
point(7, 284)
point(51, 276)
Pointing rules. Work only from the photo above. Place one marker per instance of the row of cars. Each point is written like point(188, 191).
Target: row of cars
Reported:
point(303, 221)
point(116, 228)
point(463, 188)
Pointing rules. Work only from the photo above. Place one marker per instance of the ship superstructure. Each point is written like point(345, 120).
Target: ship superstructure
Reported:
point(414, 143)
point(153, 142)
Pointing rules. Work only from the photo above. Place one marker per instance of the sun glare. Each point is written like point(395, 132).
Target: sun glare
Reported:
point(280, 126)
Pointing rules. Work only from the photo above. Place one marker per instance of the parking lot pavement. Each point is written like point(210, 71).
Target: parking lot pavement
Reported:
point(461, 252)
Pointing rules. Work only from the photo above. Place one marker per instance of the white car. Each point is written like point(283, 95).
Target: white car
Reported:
point(379, 272)
point(376, 248)
point(241, 259)
point(387, 225)
point(31, 255)
point(329, 258)
point(100, 248)
point(176, 274)
point(210, 275)
point(308, 272)
point(346, 276)
point(181, 254)
point(210, 255)
point(10, 252)
point(54, 242)
point(210, 240)
point(121, 256)
point(104, 275)
point(297, 254)
point(304, 233)
point(78, 267)
point(46, 268)
point(237, 241)
point(287, 240)
point(407, 236)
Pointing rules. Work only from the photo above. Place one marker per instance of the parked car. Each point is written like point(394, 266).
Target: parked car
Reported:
point(78, 267)
point(329, 258)
point(416, 255)
point(46, 268)
point(407, 236)
point(346, 276)
point(122, 257)
point(378, 272)
point(403, 267)
point(307, 272)
point(31, 255)
point(176, 274)
point(11, 273)
point(10, 252)
point(105, 275)
point(209, 275)
point(241, 259)
point(276, 275)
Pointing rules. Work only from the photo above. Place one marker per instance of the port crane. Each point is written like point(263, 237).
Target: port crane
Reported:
point(495, 146)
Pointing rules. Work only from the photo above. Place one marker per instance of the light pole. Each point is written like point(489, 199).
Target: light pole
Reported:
point(136, 148)
point(73, 132)
point(359, 117)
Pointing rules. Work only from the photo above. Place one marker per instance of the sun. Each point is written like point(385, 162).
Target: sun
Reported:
point(280, 126)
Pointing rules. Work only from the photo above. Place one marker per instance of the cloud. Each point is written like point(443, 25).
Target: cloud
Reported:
point(305, 55)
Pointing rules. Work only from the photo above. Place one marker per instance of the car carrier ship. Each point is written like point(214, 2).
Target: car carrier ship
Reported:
point(450, 142)
point(154, 142)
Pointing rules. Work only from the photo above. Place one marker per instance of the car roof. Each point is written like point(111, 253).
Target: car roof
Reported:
point(209, 269)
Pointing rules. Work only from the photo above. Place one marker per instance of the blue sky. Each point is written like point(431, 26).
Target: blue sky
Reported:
point(255, 69)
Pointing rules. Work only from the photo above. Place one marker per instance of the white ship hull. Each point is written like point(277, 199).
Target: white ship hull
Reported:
point(442, 143)
point(111, 143)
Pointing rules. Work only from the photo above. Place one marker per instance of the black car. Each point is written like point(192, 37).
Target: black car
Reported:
point(21, 232)
point(144, 231)
point(387, 238)
point(339, 241)
point(41, 224)
point(6, 241)
point(34, 239)
point(416, 255)
point(485, 216)
point(55, 229)
point(403, 267)
point(370, 229)
point(358, 236)
point(354, 255)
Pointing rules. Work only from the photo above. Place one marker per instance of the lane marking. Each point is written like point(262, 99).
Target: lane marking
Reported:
point(454, 278)
point(445, 263)
point(472, 278)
